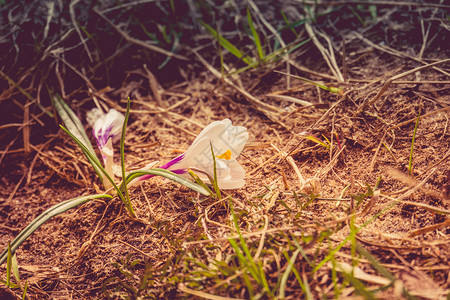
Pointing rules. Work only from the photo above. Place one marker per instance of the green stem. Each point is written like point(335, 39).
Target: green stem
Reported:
point(122, 159)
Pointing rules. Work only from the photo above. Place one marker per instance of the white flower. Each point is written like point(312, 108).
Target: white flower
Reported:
point(107, 129)
point(105, 126)
point(227, 141)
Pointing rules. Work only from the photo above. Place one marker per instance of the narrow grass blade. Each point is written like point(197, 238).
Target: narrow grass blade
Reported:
point(240, 252)
point(15, 268)
point(175, 45)
point(246, 259)
point(373, 12)
point(289, 25)
point(316, 140)
point(287, 50)
point(349, 237)
point(331, 89)
point(309, 295)
point(169, 175)
point(359, 286)
point(302, 282)
point(264, 281)
point(44, 217)
point(11, 285)
point(286, 273)
point(8, 264)
point(24, 295)
point(305, 256)
point(74, 125)
point(226, 44)
point(122, 158)
point(245, 264)
point(383, 271)
point(199, 181)
point(255, 35)
point(251, 263)
point(272, 57)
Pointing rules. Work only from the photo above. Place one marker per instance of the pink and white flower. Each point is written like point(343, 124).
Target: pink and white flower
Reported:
point(107, 129)
point(227, 141)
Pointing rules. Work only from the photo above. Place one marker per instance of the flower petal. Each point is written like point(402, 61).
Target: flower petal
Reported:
point(228, 142)
point(225, 137)
point(107, 126)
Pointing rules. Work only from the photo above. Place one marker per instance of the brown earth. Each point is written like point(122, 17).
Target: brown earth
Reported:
point(370, 129)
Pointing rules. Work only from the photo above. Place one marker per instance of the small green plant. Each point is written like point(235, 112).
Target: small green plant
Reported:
point(228, 45)
point(131, 286)
point(124, 287)
point(261, 57)
point(359, 198)
point(247, 262)
point(13, 267)
point(75, 130)
point(291, 268)
point(312, 137)
point(353, 232)
point(214, 181)
point(361, 12)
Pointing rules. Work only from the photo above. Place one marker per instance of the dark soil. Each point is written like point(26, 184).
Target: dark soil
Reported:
point(81, 253)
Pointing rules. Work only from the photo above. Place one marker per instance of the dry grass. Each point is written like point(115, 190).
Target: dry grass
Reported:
point(343, 221)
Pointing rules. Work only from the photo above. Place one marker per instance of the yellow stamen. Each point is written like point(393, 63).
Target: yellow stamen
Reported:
point(226, 155)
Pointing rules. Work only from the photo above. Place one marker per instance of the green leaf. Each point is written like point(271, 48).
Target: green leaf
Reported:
point(335, 90)
point(24, 296)
point(359, 286)
point(15, 267)
point(97, 163)
point(316, 140)
point(285, 276)
point(44, 217)
point(122, 158)
point(71, 121)
point(169, 175)
point(256, 39)
point(8, 264)
point(75, 127)
point(199, 181)
point(375, 263)
point(226, 44)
